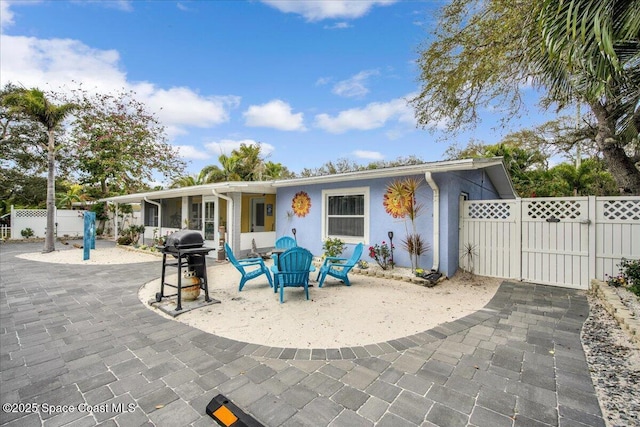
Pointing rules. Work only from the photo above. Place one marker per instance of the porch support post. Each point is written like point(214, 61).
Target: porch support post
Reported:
point(230, 222)
point(146, 200)
point(115, 222)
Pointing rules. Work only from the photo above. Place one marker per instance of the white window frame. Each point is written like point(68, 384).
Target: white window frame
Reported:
point(364, 191)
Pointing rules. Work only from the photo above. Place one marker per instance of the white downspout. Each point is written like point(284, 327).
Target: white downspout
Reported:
point(436, 220)
point(229, 208)
point(159, 215)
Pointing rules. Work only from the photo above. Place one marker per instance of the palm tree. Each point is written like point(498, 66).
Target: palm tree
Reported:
point(207, 175)
point(588, 51)
point(75, 193)
point(576, 52)
point(34, 104)
point(587, 179)
point(250, 164)
point(275, 171)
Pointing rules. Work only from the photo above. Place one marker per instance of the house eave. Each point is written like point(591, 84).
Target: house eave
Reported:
point(264, 187)
point(494, 166)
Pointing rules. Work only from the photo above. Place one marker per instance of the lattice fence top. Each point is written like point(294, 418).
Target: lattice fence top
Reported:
point(621, 210)
point(31, 213)
point(560, 209)
point(489, 210)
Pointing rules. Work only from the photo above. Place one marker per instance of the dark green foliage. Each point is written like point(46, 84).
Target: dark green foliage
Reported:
point(629, 276)
point(333, 247)
point(131, 235)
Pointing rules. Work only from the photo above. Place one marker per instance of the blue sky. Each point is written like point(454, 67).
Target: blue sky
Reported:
point(312, 81)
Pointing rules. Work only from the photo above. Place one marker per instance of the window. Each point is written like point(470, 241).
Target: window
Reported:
point(150, 215)
point(172, 212)
point(345, 214)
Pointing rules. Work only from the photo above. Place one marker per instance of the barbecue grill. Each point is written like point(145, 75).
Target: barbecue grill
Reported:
point(187, 250)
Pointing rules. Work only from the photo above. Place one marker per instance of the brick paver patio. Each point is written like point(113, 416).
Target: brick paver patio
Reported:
point(77, 335)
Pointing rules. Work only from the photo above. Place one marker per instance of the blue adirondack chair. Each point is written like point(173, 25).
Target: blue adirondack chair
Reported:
point(241, 264)
point(292, 270)
point(282, 244)
point(285, 242)
point(339, 267)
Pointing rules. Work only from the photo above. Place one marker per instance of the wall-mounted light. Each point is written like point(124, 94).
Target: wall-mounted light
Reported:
point(390, 234)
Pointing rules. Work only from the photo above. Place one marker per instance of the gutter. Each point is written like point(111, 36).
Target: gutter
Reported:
point(436, 220)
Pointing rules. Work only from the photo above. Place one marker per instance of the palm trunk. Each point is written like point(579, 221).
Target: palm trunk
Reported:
point(50, 238)
point(619, 164)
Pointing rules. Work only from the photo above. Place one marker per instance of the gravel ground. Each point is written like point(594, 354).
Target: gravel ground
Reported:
point(614, 362)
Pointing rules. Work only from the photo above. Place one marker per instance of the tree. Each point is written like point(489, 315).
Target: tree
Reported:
point(35, 105)
point(276, 171)
point(528, 165)
point(118, 144)
point(205, 176)
point(580, 52)
point(75, 193)
point(587, 179)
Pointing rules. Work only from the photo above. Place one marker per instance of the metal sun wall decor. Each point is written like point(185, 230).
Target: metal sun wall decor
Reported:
point(397, 201)
point(301, 204)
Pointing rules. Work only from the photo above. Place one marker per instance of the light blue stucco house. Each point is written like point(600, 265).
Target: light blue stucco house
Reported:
point(349, 206)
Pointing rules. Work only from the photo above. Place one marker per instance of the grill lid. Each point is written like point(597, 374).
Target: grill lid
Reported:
point(184, 239)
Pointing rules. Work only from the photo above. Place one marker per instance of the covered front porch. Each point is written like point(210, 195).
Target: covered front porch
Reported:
point(239, 213)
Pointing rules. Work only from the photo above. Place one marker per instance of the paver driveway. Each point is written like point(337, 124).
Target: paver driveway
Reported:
point(78, 336)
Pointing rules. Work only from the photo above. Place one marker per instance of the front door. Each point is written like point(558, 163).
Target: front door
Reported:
point(210, 223)
point(257, 214)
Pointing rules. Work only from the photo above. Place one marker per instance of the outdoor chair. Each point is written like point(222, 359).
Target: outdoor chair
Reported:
point(241, 264)
point(292, 270)
point(339, 267)
point(281, 245)
point(285, 242)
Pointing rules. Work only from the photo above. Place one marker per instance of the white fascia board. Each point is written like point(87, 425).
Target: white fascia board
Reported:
point(196, 190)
point(452, 165)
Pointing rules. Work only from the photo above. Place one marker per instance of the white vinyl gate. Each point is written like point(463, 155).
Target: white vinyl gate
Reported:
point(555, 241)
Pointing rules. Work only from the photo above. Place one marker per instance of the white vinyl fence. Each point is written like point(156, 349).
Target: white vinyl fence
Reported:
point(68, 223)
point(556, 241)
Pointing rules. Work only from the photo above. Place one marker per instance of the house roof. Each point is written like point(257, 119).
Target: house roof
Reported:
point(265, 187)
point(494, 167)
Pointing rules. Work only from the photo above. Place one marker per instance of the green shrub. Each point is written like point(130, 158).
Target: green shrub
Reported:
point(629, 276)
point(26, 233)
point(130, 235)
point(333, 247)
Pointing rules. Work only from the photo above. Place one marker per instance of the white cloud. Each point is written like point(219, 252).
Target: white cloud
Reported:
point(338, 26)
point(369, 155)
point(317, 10)
point(323, 81)
point(124, 5)
point(54, 63)
point(6, 15)
point(354, 86)
point(191, 152)
point(184, 106)
point(274, 114)
point(372, 116)
point(226, 146)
